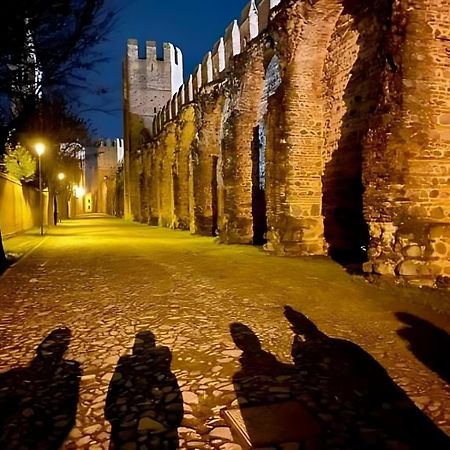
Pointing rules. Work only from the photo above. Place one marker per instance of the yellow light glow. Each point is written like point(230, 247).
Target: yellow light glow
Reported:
point(40, 148)
point(61, 176)
point(79, 191)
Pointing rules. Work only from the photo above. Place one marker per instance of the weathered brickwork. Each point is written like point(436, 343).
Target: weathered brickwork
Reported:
point(407, 170)
point(167, 206)
point(166, 175)
point(186, 134)
point(205, 162)
point(296, 124)
point(352, 78)
point(153, 176)
point(149, 82)
point(145, 188)
point(314, 127)
point(241, 117)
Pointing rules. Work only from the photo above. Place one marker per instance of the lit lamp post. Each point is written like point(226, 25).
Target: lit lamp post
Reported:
point(40, 149)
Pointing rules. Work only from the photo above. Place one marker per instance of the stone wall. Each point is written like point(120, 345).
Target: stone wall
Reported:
point(317, 128)
point(186, 135)
point(101, 166)
point(296, 123)
point(19, 206)
point(149, 83)
point(407, 158)
point(245, 91)
point(352, 80)
point(205, 163)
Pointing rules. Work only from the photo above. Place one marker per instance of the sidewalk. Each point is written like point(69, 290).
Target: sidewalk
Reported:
point(20, 244)
point(172, 338)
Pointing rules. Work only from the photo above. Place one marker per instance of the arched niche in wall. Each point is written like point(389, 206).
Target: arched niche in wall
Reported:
point(353, 86)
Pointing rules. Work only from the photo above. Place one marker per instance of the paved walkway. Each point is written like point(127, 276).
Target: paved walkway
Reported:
point(119, 335)
point(19, 245)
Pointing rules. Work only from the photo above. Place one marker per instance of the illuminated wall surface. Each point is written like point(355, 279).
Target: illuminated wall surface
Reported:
point(317, 129)
point(101, 166)
point(19, 206)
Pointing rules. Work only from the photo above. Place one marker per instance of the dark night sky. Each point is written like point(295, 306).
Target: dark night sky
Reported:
point(194, 26)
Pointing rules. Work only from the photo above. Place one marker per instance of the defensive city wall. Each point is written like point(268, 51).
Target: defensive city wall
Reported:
point(315, 127)
point(19, 206)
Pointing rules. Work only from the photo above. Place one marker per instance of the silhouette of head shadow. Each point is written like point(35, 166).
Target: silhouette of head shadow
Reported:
point(244, 338)
point(254, 359)
point(144, 342)
point(263, 388)
point(144, 403)
point(353, 382)
point(427, 342)
point(52, 349)
point(301, 325)
point(38, 403)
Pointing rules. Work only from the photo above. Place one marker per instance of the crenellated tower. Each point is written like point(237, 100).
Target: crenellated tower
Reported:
point(148, 84)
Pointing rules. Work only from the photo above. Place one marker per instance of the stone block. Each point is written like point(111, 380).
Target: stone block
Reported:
point(384, 268)
point(413, 251)
point(411, 268)
point(408, 269)
point(437, 213)
point(444, 119)
point(440, 231)
point(368, 267)
point(441, 248)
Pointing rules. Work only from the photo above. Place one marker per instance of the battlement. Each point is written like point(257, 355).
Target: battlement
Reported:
point(253, 21)
point(151, 78)
point(149, 72)
point(170, 54)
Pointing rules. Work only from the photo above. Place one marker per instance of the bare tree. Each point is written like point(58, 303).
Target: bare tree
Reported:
point(46, 47)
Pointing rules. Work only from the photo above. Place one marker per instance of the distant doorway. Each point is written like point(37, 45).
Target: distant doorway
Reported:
point(215, 197)
point(259, 207)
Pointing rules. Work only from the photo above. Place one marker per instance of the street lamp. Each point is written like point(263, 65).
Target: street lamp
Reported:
point(40, 149)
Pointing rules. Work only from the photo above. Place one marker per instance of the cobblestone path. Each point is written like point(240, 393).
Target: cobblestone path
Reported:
point(118, 335)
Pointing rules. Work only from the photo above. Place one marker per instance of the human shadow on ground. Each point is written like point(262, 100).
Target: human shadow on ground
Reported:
point(38, 403)
point(428, 343)
point(144, 403)
point(264, 389)
point(360, 406)
point(339, 396)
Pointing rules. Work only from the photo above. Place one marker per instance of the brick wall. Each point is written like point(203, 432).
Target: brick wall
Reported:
point(352, 78)
point(296, 128)
point(205, 163)
point(245, 92)
point(167, 161)
point(148, 83)
point(186, 135)
point(331, 128)
point(408, 154)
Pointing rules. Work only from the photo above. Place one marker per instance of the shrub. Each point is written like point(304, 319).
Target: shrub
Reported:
point(20, 163)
